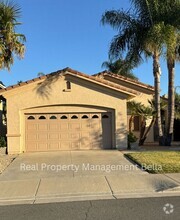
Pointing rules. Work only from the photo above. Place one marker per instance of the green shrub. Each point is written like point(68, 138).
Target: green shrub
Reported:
point(131, 139)
point(3, 142)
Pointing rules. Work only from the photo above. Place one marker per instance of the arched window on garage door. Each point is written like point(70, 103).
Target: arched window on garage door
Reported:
point(84, 117)
point(74, 117)
point(95, 116)
point(42, 117)
point(64, 117)
point(53, 117)
point(31, 117)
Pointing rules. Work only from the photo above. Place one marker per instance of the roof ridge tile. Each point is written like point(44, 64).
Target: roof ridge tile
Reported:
point(77, 73)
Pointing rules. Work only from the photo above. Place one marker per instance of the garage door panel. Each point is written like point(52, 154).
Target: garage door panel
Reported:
point(31, 146)
point(43, 136)
point(86, 125)
point(42, 146)
point(65, 145)
point(31, 126)
point(53, 136)
point(53, 145)
point(95, 135)
point(48, 132)
point(86, 143)
point(74, 126)
point(75, 145)
point(53, 127)
point(97, 145)
point(95, 126)
point(63, 126)
point(74, 136)
point(43, 127)
point(64, 136)
point(31, 136)
point(85, 134)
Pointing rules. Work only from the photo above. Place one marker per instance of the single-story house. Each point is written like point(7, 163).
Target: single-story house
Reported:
point(70, 110)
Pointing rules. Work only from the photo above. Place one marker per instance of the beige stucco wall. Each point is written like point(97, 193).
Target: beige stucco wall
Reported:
point(83, 97)
point(143, 98)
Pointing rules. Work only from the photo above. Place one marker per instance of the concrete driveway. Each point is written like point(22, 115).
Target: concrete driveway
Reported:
point(78, 175)
point(69, 164)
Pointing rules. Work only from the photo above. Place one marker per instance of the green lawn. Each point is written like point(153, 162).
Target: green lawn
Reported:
point(157, 161)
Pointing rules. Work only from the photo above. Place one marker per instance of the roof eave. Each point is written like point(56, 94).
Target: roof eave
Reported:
point(132, 81)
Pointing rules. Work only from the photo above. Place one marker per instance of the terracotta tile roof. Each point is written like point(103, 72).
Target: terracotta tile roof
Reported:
point(103, 82)
point(70, 71)
point(125, 79)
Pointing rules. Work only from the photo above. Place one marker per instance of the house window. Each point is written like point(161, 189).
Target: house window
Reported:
point(53, 117)
point(74, 117)
point(84, 116)
point(31, 117)
point(95, 116)
point(64, 117)
point(42, 117)
point(68, 85)
point(136, 123)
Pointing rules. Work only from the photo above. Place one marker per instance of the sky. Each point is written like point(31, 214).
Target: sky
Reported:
point(68, 33)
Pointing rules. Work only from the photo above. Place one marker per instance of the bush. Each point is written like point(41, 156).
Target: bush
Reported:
point(131, 139)
point(3, 142)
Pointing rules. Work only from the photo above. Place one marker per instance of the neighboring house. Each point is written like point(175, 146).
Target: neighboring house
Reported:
point(69, 110)
point(3, 127)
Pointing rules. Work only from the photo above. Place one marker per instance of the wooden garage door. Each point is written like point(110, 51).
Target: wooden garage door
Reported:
point(48, 132)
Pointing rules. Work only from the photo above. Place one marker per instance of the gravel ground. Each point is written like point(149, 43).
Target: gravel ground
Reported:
point(5, 160)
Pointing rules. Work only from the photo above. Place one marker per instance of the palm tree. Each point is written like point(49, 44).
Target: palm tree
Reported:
point(132, 107)
point(120, 67)
point(149, 112)
point(11, 43)
point(19, 81)
point(40, 74)
point(173, 55)
point(145, 112)
point(141, 32)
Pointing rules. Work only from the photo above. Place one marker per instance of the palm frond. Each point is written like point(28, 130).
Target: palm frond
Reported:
point(11, 42)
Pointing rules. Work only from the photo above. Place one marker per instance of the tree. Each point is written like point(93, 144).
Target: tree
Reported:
point(11, 42)
point(173, 55)
point(146, 113)
point(120, 67)
point(132, 107)
point(40, 74)
point(141, 31)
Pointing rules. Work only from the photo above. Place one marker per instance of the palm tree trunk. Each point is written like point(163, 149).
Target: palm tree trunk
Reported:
point(131, 123)
point(142, 140)
point(157, 74)
point(143, 128)
point(171, 104)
